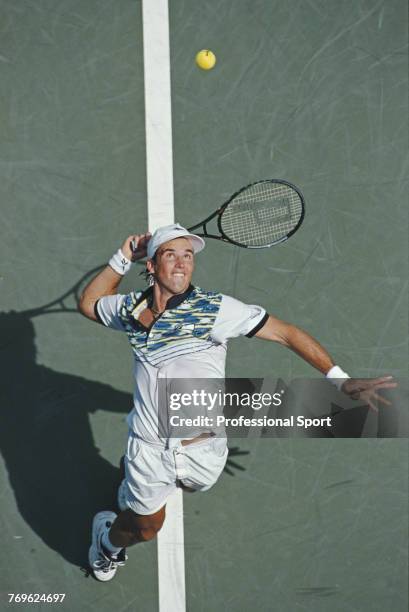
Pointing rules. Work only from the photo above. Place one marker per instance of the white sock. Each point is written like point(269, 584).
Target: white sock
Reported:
point(108, 545)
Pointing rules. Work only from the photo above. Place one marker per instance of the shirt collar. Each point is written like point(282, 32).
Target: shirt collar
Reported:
point(172, 302)
point(175, 300)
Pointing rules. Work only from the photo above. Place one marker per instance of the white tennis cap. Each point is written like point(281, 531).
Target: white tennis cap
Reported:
point(170, 232)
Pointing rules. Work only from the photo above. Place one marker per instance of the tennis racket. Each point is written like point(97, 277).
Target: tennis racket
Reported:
point(258, 216)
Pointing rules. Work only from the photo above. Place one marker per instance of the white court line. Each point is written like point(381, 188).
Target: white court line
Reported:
point(159, 171)
point(158, 112)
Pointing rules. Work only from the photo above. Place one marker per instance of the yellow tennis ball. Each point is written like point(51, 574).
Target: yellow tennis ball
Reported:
point(205, 59)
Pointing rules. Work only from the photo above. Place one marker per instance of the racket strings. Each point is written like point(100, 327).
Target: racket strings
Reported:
point(248, 223)
point(262, 194)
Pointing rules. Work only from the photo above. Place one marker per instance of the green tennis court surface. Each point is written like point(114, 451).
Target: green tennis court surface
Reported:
point(314, 93)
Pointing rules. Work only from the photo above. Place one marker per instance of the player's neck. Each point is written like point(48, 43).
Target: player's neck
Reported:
point(161, 295)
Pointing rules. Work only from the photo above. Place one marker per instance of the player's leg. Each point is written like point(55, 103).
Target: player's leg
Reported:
point(149, 480)
point(130, 528)
point(111, 534)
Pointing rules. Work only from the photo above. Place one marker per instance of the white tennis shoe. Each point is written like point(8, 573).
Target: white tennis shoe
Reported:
point(103, 564)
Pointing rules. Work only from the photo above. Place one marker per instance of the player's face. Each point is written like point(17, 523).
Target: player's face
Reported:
point(174, 265)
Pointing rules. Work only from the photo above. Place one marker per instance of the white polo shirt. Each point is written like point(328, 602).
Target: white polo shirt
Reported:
point(233, 319)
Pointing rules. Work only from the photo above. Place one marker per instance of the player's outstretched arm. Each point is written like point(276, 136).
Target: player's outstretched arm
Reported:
point(107, 281)
point(311, 351)
point(298, 341)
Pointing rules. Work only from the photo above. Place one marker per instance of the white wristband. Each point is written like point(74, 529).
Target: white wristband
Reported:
point(337, 376)
point(120, 263)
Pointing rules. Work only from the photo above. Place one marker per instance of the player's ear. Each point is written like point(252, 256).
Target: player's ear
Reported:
point(150, 266)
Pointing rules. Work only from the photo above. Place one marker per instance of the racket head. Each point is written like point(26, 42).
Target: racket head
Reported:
point(262, 214)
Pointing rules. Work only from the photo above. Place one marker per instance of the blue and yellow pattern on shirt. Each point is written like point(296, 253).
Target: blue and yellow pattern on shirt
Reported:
point(181, 330)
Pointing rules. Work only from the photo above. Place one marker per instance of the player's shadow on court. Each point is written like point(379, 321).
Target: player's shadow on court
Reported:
point(58, 476)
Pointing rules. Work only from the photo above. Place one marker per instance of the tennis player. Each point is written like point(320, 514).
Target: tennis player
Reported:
point(176, 329)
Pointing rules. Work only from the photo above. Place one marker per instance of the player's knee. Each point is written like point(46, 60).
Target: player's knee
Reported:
point(156, 524)
point(145, 528)
point(145, 535)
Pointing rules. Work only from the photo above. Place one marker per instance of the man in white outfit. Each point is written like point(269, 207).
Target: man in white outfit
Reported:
point(176, 329)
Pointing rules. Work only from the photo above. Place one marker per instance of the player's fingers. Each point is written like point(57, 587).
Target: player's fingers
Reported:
point(127, 247)
point(380, 380)
point(372, 406)
point(385, 386)
point(130, 246)
point(145, 239)
point(381, 399)
point(140, 243)
point(134, 240)
point(373, 399)
point(376, 383)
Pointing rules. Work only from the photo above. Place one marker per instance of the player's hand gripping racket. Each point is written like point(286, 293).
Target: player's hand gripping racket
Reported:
point(258, 216)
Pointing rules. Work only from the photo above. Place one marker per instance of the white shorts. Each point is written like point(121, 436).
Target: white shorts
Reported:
point(152, 473)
